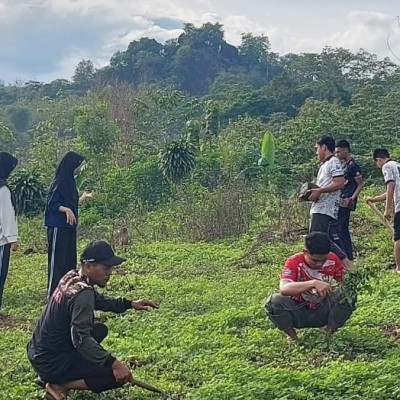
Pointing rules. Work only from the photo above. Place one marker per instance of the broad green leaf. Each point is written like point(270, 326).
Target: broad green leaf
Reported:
point(268, 148)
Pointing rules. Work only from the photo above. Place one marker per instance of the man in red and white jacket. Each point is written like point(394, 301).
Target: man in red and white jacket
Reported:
point(306, 298)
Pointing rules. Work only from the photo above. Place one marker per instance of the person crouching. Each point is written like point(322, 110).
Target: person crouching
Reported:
point(306, 298)
point(65, 349)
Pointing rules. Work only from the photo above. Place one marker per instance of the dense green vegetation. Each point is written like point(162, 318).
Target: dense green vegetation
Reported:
point(173, 135)
point(210, 338)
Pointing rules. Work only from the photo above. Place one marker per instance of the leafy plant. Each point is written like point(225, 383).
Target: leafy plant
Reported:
point(177, 159)
point(29, 191)
point(357, 280)
point(267, 151)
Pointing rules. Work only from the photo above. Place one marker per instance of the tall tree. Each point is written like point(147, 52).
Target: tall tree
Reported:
point(84, 74)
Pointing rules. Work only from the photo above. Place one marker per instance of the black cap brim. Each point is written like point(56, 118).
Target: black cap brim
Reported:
point(113, 261)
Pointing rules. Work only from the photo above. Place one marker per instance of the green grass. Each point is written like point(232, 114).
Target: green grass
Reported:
point(210, 338)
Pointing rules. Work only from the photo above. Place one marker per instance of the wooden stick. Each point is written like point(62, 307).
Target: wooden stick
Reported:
point(145, 385)
point(381, 217)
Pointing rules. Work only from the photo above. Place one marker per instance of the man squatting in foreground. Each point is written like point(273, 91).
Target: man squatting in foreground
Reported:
point(65, 349)
point(306, 298)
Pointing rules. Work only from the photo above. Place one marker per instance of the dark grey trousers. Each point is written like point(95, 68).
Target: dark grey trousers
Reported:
point(325, 223)
point(286, 313)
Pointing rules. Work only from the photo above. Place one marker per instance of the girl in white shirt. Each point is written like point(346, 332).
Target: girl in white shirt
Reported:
point(8, 220)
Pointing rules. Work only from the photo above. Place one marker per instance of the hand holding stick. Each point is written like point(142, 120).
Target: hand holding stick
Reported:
point(144, 385)
point(381, 217)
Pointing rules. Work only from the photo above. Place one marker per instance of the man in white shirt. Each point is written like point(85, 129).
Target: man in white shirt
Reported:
point(8, 221)
point(325, 198)
point(391, 175)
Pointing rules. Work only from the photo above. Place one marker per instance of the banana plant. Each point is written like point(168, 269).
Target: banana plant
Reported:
point(267, 151)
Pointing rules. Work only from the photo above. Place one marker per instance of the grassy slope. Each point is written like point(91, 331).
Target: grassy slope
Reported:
point(210, 339)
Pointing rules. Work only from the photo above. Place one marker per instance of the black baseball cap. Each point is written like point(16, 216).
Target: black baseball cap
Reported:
point(101, 252)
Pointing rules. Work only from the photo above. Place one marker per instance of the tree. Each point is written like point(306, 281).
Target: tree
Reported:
point(92, 127)
point(199, 57)
point(255, 55)
point(96, 133)
point(254, 50)
point(143, 61)
point(84, 74)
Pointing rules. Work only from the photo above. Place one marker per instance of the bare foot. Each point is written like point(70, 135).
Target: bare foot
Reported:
point(398, 270)
point(56, 391)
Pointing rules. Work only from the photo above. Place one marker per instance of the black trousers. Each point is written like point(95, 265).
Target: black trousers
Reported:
point(61, 256)
point(286, 313)
point(343, 223)
point(98, 378)
point(327, 224)
point(4, 263)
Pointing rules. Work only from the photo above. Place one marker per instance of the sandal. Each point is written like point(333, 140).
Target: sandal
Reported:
point(40, 382)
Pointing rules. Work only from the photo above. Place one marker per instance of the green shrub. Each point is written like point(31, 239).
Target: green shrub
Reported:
point(208, 171)
point(29, 191)
point(141, 186)
point(208, 215)
point(150, 188)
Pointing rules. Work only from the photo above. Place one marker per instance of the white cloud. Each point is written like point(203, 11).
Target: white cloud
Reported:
point(122, 9)
point(365, 29)
point(61, 32)
point(368, 30)
point(235, 25)
point(361, 29)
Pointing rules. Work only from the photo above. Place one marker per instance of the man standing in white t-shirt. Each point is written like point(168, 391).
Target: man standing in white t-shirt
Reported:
point(391, 175)
point(325, 198)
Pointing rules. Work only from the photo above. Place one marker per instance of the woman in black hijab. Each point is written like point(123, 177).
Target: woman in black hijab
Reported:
point(61, 218)
point(8, 220)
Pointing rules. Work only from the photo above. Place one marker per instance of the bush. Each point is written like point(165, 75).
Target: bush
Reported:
point(222, 213)
point(239, 146)
point(208, 169)
point(142, 186)
point(29, 191)
point(150, 188)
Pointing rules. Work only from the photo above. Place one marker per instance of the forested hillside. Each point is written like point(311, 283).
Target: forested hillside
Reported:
point(203, 98)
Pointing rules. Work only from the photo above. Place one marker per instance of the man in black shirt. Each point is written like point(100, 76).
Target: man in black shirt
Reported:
point(348, 194)
point(65, 349)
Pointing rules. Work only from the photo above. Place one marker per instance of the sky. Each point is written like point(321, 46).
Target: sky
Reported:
point(45, 39)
